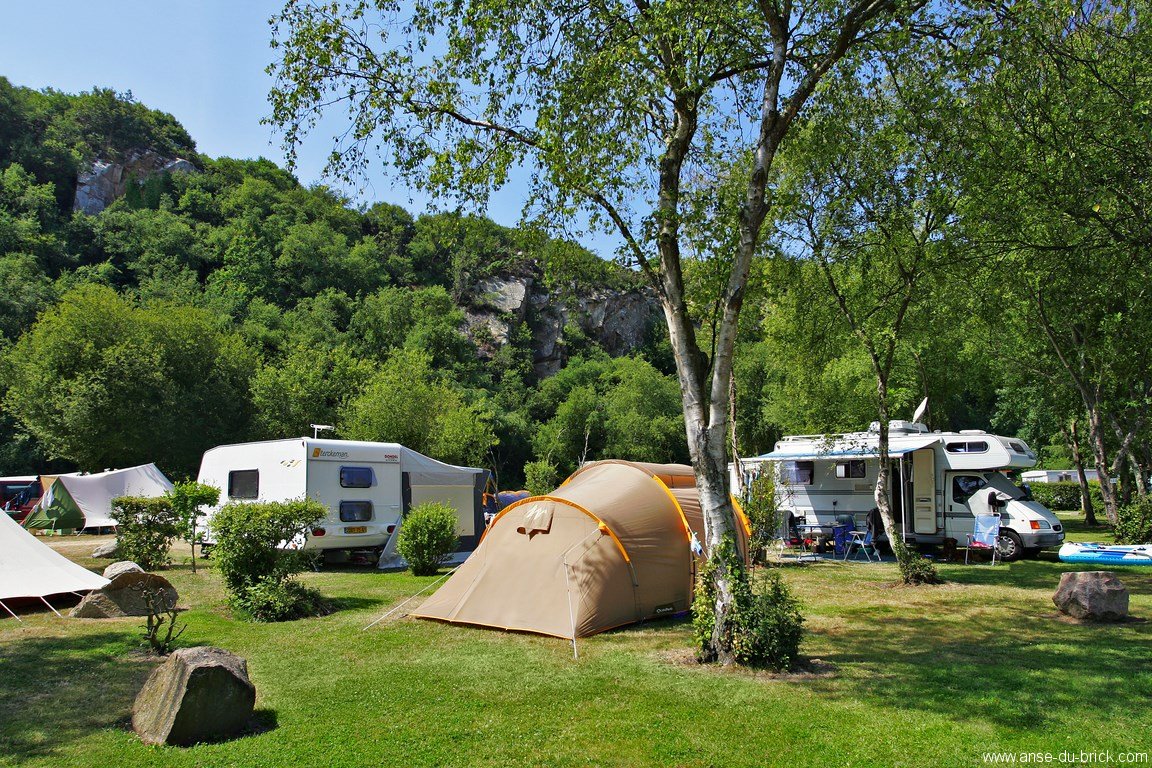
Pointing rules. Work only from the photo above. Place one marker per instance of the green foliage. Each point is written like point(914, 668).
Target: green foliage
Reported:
point(188, 500)
point(309, 385)
point(602, 407)
point(1057, 496)
point(541, 477)
point(427, 536)
point(763, 629)
point(408, 402)
point(1134, 523)
point(103, 383)
point(250, 538)
point(764, 515)
point(272, 599)
point(145, 528)
point(914, 568)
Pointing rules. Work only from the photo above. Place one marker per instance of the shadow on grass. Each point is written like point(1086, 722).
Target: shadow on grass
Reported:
point(1016, 670)
point(354, 603)
point(57, 690)
point(1040, 574)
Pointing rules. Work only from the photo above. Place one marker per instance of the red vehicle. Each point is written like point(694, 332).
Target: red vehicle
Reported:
point(19, 494)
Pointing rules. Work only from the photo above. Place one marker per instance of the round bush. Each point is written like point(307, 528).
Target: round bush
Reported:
point(1134, 522)
point(427, 537)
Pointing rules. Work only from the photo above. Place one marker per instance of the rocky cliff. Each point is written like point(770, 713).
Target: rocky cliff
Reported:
point(620, 321)
point(107, 181)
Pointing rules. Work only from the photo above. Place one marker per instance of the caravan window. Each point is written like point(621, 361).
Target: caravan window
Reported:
point(355, 511)
point(244, 484)
point(974, 446)
point(797, 472)
point(853, 468)
point(356, 477)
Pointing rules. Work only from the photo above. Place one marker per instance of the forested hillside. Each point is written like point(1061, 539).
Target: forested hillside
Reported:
point(210, 300)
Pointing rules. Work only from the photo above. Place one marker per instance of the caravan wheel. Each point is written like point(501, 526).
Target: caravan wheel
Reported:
point(1011, 547)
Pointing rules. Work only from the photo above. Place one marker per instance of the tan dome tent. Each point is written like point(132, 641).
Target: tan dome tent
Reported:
point(611, 546)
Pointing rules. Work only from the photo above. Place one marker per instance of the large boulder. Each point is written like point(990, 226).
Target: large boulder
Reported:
point(107, 550)
point(124, 566)
point(126, 595)
point(1093, 595)
point(198, 695)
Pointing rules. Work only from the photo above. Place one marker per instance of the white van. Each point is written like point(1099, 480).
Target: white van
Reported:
point(939, 481)
point(367, 487)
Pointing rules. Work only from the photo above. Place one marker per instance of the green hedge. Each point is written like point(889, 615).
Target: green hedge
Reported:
point(145, 528)
point(1065, 496)
point(1134, 522)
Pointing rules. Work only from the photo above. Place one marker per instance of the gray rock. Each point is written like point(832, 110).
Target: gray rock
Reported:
point(106, 180)
point(1094, 595)
point(107, 550)
point(124, 566)
point(198, 695)
point(125, 596)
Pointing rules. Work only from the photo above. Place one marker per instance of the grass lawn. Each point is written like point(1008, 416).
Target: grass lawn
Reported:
point(930, 676)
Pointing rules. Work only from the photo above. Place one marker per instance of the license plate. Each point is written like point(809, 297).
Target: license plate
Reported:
point(356, 529)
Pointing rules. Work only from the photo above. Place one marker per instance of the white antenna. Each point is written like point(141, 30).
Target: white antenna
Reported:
point(920, 410)
point(317, 427)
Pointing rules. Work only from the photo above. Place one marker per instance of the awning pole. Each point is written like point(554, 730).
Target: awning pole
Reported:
point(10, 612)
point(50, 607)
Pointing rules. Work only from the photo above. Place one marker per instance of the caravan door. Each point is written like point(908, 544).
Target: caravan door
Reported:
point(924, 491)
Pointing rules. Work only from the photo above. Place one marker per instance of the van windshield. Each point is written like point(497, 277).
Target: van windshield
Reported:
point(1004, 485)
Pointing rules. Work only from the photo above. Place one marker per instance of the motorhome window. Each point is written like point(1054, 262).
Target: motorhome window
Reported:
point(798, 472)
point(853, 468)
point(244, 484)
point(963, 486)
point(356, 477)
point(1016, 447)
point(355, 511)
point(976, 446)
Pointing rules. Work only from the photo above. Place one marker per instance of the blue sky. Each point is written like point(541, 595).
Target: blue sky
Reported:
point(201, 61)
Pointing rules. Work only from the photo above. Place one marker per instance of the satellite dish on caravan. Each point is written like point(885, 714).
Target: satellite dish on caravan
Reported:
point(920, 410)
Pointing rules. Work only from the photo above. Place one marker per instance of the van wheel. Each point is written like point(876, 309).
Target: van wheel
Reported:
point(1011, 548)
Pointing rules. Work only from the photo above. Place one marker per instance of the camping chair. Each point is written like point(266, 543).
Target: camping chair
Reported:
point(985, 536)
point(862, 541)
point(841, 539)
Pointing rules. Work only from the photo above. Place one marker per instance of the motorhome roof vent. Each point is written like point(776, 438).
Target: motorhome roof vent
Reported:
point(905, 427)
point(973, 432)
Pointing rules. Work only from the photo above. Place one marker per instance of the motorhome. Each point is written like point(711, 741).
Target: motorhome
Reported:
point(939, 481)
point(367, 487)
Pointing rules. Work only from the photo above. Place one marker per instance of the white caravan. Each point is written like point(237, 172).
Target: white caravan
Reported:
point(940, 480)
point(1056, 476)
point(367, 487)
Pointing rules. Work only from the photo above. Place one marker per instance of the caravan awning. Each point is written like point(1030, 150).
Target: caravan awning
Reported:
point(837, 450)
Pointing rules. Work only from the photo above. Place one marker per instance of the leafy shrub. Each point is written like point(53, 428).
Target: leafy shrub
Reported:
point(284, 600)
point(1134, 522)
point(764, 629)
point(763, 515)
point(145, 528)
point(187, 499)
point(541, 477)
point(914, 568)
point(1064, 496)
point(427, 536)
point(256, 565)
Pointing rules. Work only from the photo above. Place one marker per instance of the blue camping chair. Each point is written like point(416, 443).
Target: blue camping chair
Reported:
point(862, 541)
point(985, 536)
